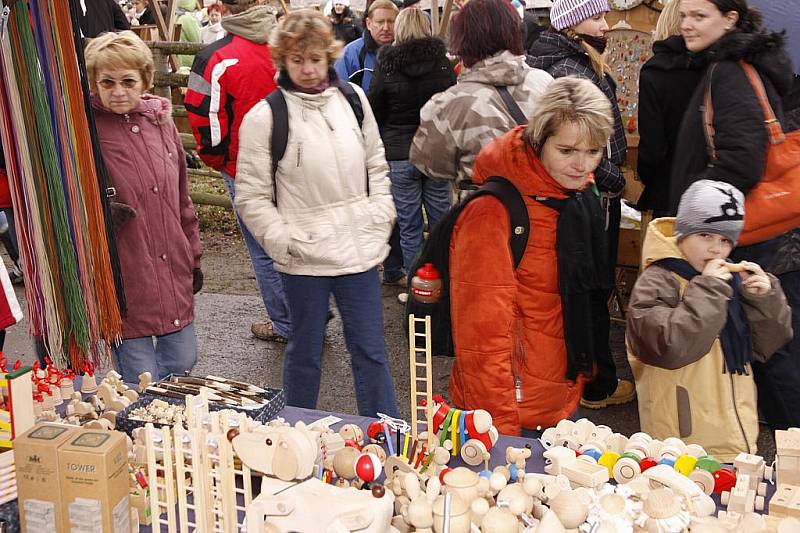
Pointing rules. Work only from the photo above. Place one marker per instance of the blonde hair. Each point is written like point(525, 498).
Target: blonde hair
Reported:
point(302, 30)
point(669, 21)
point(111, 51)
point(411, 23)
point(571, 100)
point(598, 62)
point(381, 4)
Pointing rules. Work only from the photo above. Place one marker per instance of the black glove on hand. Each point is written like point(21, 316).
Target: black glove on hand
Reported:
point(121, 214)
point(197, 280)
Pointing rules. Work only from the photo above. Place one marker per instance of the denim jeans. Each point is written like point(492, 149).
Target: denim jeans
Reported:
point(393, 264)
point(411, 189)
point(358, 297)
point(163, 355)
point(268, 279)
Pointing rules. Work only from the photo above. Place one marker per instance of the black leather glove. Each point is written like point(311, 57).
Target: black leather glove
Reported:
point(197, 280)
point(121, 214)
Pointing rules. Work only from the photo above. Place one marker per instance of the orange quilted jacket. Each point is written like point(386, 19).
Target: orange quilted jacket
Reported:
point(507, 326)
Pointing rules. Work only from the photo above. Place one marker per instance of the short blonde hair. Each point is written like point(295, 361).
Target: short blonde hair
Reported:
point(111, 51)
point(381, 4)
point(411, 23)
point(302, 30)
point(571, 100)
point(669, 21)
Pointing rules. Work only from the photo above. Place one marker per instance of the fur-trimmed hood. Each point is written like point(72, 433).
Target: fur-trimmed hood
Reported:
point(413, 58)
point(763, 50)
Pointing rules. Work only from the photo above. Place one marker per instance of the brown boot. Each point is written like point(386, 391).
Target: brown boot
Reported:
point(262, 330)
point(624, 393)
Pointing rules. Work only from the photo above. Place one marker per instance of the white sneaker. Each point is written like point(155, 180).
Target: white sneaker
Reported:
point(402, 298)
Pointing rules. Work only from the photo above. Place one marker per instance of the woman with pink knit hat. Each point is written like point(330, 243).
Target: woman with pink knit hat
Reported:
point(574, 46)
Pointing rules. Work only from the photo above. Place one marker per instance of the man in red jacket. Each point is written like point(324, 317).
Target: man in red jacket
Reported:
point(229, 77)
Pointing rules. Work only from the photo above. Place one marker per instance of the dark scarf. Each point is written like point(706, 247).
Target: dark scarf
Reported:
point(582, 269)
point(598, 43)
point(285, 82)
point(369, 43)
point(735, 337)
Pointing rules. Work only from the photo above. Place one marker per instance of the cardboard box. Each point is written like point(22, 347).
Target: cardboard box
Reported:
point(38, 484)
point(93, 472)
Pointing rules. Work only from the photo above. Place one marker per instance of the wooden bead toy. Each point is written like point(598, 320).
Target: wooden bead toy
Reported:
point(368, 467)
point(608, 460)
point(685, 464)
point(724, 480)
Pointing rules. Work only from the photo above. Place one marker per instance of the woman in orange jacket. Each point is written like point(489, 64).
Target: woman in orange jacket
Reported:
point(523, 338)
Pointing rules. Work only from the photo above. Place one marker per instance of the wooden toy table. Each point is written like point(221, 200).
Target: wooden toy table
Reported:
point(9, 512)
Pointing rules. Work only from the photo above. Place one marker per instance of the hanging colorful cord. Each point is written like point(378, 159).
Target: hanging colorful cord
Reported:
point(70, 284)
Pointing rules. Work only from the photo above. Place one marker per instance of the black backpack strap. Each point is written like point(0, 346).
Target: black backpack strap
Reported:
point(353, 100)
point(512, 106)
point(279, 136)
point(509, 195)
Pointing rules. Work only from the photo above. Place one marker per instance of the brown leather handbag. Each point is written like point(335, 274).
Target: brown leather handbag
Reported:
point(772, 207)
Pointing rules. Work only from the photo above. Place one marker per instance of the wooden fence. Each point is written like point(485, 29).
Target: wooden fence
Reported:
point(164, 83)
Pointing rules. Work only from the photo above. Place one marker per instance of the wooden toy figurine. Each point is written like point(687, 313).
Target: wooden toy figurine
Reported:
point(88, 383)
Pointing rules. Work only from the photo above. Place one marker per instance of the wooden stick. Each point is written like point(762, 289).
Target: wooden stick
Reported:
point(165, 32)
point(448, 10)
point(434, 14)
point(285, 7)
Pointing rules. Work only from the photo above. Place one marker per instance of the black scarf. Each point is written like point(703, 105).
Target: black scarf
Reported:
point(582, 269)
point(598, 43)
point(735, 337)
point(369, 43)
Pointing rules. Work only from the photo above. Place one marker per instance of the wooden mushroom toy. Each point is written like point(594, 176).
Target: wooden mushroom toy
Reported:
point(498, 520)
point(550, 523)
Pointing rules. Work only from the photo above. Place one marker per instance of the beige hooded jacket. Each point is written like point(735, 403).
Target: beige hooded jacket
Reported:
point(677, 359)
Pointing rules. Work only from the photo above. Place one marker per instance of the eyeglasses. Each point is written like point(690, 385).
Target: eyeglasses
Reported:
point(127, 83)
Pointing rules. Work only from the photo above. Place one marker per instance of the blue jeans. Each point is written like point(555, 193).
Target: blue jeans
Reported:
point(393, 264)
point(358, 297)
point(268, 279)
point(162, 355)
point(411, 189)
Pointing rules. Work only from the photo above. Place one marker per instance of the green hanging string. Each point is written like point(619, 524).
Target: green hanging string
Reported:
point(50, 192)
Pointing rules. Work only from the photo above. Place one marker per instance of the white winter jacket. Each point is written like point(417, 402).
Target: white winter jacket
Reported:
point(325, 224)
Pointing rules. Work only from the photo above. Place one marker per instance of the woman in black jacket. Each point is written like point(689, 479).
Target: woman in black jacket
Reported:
point(666, 84)
point(408, 73)
point(729, 31)
point(573, 46)
point(346, 26)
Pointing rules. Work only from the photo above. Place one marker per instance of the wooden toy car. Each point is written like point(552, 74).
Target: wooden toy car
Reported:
point(742, 499)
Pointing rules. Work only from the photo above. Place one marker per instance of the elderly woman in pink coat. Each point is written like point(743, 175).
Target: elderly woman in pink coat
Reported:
point(155, 224)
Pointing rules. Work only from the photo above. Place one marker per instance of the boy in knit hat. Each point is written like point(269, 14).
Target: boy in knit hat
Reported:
point(696, 322)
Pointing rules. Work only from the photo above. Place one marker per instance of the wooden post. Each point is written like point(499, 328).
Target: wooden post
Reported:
point(165, 28)
point(161, 64)
point(448, 11)
point(434, 15)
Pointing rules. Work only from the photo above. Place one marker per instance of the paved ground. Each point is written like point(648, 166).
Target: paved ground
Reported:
point(228, 305)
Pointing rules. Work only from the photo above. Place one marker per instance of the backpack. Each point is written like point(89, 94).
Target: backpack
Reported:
point(437, 252)
point(280, 127)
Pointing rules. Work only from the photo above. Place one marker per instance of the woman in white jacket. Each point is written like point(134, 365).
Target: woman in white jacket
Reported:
point(326, 219)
